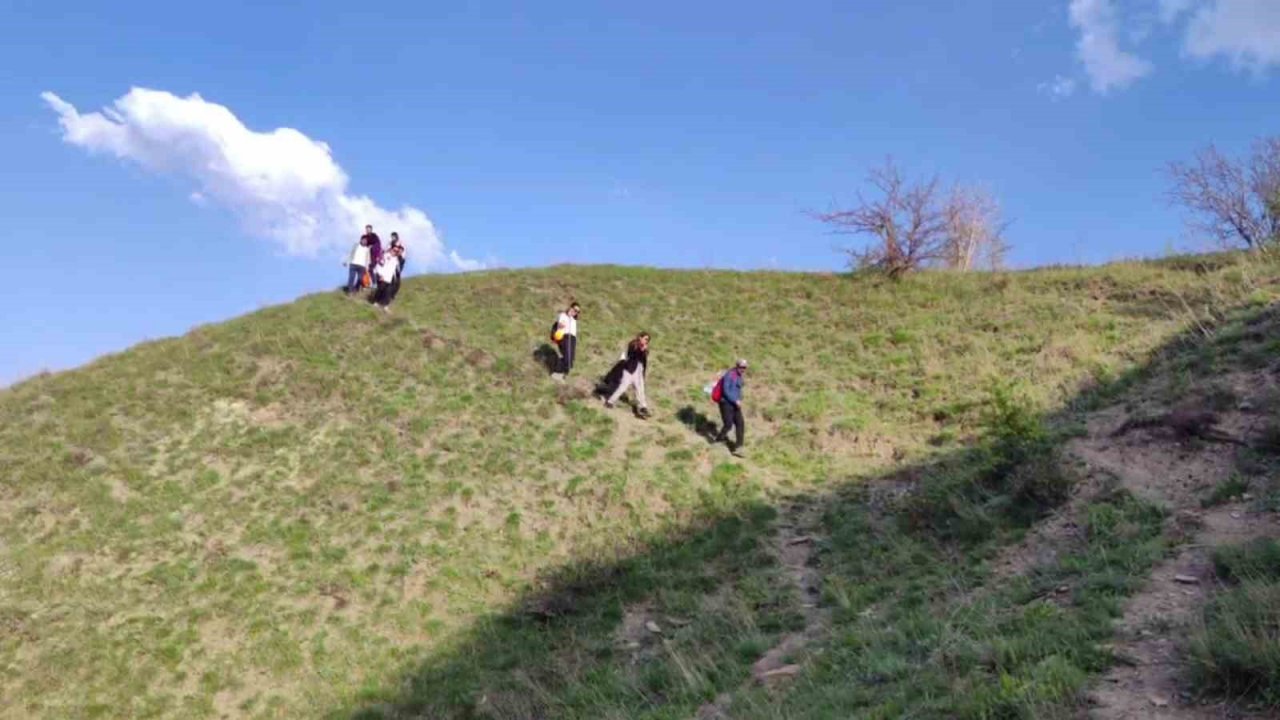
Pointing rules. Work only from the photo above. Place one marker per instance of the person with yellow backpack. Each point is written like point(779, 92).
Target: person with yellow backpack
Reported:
point(564, 333)
point(359, 262)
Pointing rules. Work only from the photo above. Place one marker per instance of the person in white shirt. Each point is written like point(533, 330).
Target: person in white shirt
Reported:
point(357, 263)
point(397, 249)
point(566, 336)
point(387, 270)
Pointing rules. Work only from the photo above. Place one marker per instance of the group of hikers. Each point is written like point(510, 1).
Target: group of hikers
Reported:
point(369, 266)
point(629, 373)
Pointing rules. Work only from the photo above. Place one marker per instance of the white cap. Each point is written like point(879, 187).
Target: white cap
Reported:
point(742, 363)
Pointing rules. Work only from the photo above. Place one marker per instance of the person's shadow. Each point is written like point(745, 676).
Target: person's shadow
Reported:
point(697, 422)
point(610, 380)
point(547, 357)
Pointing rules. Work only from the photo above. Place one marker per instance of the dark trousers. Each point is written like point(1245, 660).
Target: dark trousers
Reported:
point(384, 294)
point(568, 346)
point(731, 415)
point(395, 289)
point(354, 274)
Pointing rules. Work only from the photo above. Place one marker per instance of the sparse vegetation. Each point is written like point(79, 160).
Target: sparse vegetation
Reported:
point(315, 511)
point(1235, 651)
point(930, 640)
point(1233, 488)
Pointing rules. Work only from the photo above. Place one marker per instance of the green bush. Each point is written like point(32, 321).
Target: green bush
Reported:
point(1027, 463)
point(1015, 478)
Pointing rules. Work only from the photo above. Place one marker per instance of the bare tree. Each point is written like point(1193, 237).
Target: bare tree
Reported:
point(913, 227)
point(907, 226)
point(1233, 202)
point(974, 230)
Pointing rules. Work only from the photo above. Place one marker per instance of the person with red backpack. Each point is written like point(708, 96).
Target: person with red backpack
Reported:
point(727, 393)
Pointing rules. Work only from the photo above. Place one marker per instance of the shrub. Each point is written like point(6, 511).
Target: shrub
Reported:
point(1016, 477)
point(1027, 465)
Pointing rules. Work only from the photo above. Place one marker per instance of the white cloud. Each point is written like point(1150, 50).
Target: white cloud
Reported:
point(286, 187)
point(1246, 32)
point(464, 264)
point(1060, 88)
point(1109, 67)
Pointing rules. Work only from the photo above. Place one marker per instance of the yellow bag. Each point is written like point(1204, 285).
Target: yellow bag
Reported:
point(365, 281)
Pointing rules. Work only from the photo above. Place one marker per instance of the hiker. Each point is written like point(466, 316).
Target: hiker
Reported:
point(357, 264)
point(375, 249)
point(388, 273)
point(565, 336)
point(397, 249)
point(634, 365)
point(730, 400)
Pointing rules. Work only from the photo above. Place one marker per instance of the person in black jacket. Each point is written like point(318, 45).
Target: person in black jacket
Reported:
point(634, 365)
point(397, 251)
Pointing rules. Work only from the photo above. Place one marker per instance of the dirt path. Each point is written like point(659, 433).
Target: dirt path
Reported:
point(793, 545)
point(1161, 463)
point(1146, 682)
point(1175, 472)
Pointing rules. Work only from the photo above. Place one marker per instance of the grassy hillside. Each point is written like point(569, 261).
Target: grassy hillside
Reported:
point(315, 510)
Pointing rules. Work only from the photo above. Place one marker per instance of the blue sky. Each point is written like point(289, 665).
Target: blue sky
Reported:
point(673, 134)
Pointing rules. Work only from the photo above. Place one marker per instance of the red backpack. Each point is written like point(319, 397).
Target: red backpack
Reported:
point(717, 392)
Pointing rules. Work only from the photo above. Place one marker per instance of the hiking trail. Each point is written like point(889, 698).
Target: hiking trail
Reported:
point(1170, 458)
point(794, 545)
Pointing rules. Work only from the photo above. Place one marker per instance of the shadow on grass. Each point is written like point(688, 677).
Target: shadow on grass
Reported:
point(610, 380)
point(699, 423)
point(547, 357)
point(607, 636)
point(669, 622)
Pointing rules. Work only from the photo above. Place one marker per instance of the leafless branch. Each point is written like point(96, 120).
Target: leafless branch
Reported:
point(911, 227)
point(1234, 203)
point(907, 227)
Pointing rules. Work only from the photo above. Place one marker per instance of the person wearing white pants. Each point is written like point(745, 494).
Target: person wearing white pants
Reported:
point(635, 364)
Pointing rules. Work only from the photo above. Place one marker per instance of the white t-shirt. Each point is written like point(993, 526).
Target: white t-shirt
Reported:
point(568, 323)
point(359, 256)
point(386, 269)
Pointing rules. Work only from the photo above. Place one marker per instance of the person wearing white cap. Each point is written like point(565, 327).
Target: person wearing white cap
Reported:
point(731, 405)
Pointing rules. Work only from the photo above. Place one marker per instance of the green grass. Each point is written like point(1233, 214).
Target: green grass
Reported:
point(928, 640)
point(1235, 649)
point(1233, 488)
point(316, 511)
